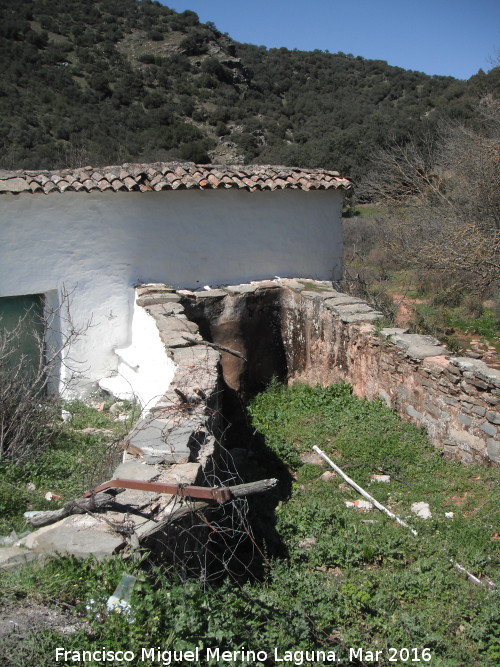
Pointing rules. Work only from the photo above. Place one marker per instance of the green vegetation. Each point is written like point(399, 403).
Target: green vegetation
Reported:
point(340, 578)
point(431, 246)
point(75, 462)
point(125, 80)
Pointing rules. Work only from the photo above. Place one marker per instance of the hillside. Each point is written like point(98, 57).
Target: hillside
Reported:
point(110, 81)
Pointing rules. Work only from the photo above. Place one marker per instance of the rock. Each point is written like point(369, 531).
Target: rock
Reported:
point(327, 476)
point(13, 556)
point(422, 510)
point(361, 505)
point(80, 536)
point(381, 478)
point(311, 457)
point(493, 449)
point(493, 417)
point(307, 543)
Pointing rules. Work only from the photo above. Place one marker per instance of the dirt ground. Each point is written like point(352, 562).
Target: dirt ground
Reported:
point(18, 622)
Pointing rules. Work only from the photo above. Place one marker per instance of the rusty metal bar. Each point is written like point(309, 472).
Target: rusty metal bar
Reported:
point(220, 494)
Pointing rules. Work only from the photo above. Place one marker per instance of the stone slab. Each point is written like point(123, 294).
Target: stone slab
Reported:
point(136, 470)
point(195, 355)
point(210, 294)
point(392, 331)
point(80, 536)
point(361, 317)
point(136, 499)
point(183, 473)
point(352, 308)
point(244, 288)
point(342, 300)
point(156, 299)
point(320, 293)
point(419, 347)
point(175, 339)
point(175, 324)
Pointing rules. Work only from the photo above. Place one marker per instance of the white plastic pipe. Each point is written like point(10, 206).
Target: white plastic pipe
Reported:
point(360, 490)
point(379, 506)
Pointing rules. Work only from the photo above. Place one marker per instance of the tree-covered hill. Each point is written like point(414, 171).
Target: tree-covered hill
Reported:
point(109, 81)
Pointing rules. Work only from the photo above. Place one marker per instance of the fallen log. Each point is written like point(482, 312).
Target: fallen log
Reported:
point(78, 506)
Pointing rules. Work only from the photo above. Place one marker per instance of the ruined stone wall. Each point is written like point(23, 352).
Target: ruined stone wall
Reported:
point(330, 336)
point(304, 330)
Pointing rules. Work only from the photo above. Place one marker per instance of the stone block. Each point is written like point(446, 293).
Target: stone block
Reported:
point(478, 410)
point(492, 400)
point(136, 499)
point(493, 417)
point(450, 401)
point(411, 412)
point(322, 294)
point(382, 394)
point(465, 420)
point(183, 473)
point(468, 388)
point(489, 429)
point(432, 409)
point(196, 355)
point(479, 368)
point(350, 309)
point(342, 300)
point(466, 440)
point(493, 448)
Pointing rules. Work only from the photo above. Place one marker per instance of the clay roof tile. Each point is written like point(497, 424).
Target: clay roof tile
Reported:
point(173, 175)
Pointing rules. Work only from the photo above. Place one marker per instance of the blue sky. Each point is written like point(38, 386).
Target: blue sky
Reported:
point(450, 37)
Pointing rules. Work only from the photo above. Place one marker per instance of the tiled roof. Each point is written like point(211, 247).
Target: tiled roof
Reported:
point(170, 176)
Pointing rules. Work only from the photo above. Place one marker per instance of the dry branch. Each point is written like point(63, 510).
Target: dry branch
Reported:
point(100, 500)
point(216, 346)
point(78, 506)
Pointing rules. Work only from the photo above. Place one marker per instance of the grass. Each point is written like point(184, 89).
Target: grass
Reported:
point(75, 463)
point(339, 579)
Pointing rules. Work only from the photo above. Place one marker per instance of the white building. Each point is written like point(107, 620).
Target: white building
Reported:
point(99, 232)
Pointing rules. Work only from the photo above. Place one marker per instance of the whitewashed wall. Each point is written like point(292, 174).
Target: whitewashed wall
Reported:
point(100, 245)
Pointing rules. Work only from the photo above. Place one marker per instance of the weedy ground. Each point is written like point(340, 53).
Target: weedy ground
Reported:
point(84, 450)
point(332, 577)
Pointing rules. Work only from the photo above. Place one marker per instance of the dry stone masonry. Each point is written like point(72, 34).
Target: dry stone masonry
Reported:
point(299, 330)
point(174, 443)
point(305, 330)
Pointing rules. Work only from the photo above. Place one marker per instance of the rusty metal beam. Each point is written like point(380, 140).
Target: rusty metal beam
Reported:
point(219, 494)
